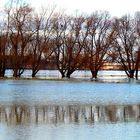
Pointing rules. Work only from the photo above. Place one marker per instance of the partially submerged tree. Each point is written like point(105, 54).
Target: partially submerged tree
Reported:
point(39, 46)
point(69, 40)
point(59, 26)
point(137, 20)
point(4, 39)
point(20, 36)
point(74, 42)
point(125, 44)
point(100, 37)
point(137, 63)
point(3, 53)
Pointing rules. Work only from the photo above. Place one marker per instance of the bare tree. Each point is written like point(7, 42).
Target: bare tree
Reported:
point(69, 40)
point(74, 42)
point(3, 48)
point(137, 20)
point(59, 26)
point(100, 36)
point(137, 63)
point(125, 44)
point(39, 46)
point(20, 35)
point(4, 36)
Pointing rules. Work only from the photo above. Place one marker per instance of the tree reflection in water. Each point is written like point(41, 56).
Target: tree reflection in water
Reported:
point(53, 114)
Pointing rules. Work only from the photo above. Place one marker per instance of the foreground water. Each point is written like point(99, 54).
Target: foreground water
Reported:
point(69, 110)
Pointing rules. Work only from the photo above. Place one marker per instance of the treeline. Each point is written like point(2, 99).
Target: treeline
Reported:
point(34, 40)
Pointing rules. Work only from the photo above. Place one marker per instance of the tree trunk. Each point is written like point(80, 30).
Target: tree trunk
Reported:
point(94, 74)
point(34, 72)
point(69, 72)
point(62, 74)
point(18, 72)
point(131, 73)
point(136, 75)
point(15, 74)
point(137, 69)
point(2, 71)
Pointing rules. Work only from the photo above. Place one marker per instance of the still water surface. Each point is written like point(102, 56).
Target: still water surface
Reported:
point(69, 110)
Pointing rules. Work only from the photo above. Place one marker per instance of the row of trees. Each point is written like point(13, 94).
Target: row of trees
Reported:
point(35, 40)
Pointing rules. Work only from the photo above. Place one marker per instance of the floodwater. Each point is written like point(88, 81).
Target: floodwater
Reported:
point(44, 74)
point(69, 110)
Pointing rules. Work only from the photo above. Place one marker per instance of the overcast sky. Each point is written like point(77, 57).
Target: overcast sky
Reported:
point(115, 7)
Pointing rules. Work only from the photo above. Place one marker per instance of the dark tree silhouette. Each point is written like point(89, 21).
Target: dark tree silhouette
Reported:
point(20, 36)
point(125, 44)
point(100, 36)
